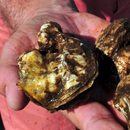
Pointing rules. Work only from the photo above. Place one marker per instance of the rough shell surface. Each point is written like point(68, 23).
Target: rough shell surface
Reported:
point(114, 42)
point(62, 68)
point(122, 97)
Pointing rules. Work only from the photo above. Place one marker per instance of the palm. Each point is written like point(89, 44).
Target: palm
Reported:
point(26, 38)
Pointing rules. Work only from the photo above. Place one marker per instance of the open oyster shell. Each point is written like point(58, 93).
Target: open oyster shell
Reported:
point(114, 42)
point(57, 72)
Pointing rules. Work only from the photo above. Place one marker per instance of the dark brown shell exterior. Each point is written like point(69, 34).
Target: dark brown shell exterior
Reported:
point(114, 42)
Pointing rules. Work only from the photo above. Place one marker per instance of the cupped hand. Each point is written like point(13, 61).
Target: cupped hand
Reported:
point(82, 25)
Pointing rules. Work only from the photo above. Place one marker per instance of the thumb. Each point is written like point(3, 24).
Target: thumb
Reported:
point(8, 71)
point(92, 116)
point(15, 98)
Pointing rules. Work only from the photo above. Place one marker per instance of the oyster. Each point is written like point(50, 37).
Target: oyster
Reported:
point(114, 43)
point(58, 71)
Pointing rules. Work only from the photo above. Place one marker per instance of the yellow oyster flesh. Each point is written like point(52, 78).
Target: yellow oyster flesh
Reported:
point(62, 68)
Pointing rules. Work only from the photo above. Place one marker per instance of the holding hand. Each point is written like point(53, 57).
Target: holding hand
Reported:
point(92, 115)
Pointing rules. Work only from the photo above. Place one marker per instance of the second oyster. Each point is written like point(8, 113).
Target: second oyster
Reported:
point(114, 42)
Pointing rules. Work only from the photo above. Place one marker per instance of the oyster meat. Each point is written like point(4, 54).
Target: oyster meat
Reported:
point(58, 71)
point(114, 42)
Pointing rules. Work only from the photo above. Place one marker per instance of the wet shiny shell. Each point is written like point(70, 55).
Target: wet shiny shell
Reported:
point(62, 68)
point(114, 42)
point(122, 97)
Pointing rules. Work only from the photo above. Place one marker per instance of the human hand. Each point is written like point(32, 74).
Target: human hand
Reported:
point(85, 26)
point(94, 115)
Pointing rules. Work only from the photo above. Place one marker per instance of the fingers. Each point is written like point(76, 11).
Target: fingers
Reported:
point(17, 43)
point(92, 116)
point(15, 98)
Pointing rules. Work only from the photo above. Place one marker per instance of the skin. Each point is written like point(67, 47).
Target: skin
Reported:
point(26, 24)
